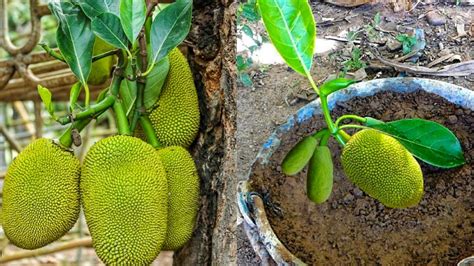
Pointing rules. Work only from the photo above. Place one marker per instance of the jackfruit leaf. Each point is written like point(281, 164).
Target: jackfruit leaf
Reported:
point(335, 85)
point(292, 30)
point(46, 97)
point(74, 95)
point(132, 16)
point(74, 37)
point(128, 92)
point(169, 28)
point(93, 8)
point(426, 140)
point(155, 81)
point(107, 26)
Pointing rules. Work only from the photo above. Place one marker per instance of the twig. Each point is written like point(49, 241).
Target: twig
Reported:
point(84, 242)
point(60, 57)
point(10, 139)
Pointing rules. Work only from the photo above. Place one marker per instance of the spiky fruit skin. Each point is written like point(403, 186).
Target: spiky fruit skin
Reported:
point(383, 169)
point(175, 117)
point(101, 69)
point(124, 195)
point(183, 187)
point(41, 195)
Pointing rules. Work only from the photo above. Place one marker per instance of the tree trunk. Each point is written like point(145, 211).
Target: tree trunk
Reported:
point(211, 53)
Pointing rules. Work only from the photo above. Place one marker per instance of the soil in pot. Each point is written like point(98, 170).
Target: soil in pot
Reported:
point(353, 228)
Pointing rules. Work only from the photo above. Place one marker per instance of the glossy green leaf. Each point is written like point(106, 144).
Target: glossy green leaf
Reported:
point(169, 28)
point(128, 92)
point(426, 140)
point(75, 38)
point(46, 97)
point(132, 16)
point(74, 95)
point(155, 81)
point(298, 157)
point(292, 30)
point(334, 85)
point(107, 26)
point(93, 8)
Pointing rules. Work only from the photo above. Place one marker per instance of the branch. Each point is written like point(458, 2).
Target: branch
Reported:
point(83, 242)
point(90, 112)
point(10, 139)
point(60, 57)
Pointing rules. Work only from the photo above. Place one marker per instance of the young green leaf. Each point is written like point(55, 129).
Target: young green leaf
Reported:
point(245, 79)
point(335, 85)
point(320, 175)
point(93, 8)
point(291, 27)
point(108, 27)
point(169, 28)
point(426, 140)
point(298, 157)
point(74, 37)
point(74, 95)
point(46, 97)
point(132, 16)
point(155, 81)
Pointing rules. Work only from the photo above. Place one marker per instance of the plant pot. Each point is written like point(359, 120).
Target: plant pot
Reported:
point(351, 228)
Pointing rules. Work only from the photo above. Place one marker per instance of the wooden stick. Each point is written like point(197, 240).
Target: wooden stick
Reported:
point(83, 242)
point(10, 139)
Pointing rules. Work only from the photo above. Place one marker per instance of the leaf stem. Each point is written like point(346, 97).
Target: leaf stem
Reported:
point(65, 139)
point(59, 56)
point(90, 112)
point(149, 132)
point(122, 121)
point(353, 117)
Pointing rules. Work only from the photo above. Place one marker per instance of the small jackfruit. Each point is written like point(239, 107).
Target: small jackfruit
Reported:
point(298, 157)
point(383, 169)
point(175, 116)
point(320, 175)
point(101, 69)
point(183, 187)
point(41, 195)
point(124, 194)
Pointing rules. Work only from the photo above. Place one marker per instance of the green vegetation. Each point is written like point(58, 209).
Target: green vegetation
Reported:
point(408, 42)
point(41, 195)
point(183, 202)
point(125, 199)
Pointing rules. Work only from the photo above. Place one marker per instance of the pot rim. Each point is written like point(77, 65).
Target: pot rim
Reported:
point(264, 241)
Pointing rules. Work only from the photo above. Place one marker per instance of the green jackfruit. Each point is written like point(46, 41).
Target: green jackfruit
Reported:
point(175, 117)
point(299, 156)
point(41, 195)
point(320, 175)
point(101, 69)
point(124, 194)
point(183, 187)
point(383, 169)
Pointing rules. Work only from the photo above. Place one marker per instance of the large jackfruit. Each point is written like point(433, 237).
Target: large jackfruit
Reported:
point(124, 195)
point(183, 187)
point(41, 195)
point(101, 69)
point(175, 117)
point(383, 168)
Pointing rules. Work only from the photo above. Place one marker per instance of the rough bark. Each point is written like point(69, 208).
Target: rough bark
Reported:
point(211, 52)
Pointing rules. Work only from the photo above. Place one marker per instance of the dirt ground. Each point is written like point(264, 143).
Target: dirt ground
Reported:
point(278, 92)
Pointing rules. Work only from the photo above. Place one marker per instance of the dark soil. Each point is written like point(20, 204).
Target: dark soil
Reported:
point(353, 228)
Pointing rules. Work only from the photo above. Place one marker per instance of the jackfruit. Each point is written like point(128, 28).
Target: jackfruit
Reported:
point(298, 157)
point(383, 169)
point(124, 195)
point(41, 195)
point(101, 69)
point(320, 175)
point(183, 190)
point(175, 116)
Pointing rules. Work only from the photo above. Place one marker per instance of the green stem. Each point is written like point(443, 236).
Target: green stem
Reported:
point(353, 117)
point(351, 126)
point(122, 121)
point(66, 138)
point(139, 103)
point(149, 132)
point(90, 112)
point(60, 57)
point(324, 139)
point(311, 81)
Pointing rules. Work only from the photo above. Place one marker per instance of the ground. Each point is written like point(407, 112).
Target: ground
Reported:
point(278, 91)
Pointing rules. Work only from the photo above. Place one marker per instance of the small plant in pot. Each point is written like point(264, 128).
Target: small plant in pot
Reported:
point(379, 158)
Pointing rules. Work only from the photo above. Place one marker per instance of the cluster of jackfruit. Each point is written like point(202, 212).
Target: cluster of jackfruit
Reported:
point(137, 200)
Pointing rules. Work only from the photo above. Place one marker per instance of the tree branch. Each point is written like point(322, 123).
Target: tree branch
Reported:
point(83, 242)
